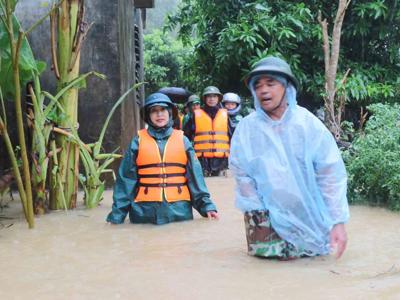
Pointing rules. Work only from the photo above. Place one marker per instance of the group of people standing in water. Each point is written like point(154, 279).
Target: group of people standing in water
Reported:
point(291, 182)
point(209, 124)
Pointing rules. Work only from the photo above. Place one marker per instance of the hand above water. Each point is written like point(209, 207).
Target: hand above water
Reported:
point(338, 239)
point(212, 215)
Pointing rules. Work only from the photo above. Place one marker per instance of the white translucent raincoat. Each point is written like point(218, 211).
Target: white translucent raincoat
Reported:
point(293, 169)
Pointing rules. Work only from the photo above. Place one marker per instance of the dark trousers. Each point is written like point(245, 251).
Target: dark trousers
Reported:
point(213, 166)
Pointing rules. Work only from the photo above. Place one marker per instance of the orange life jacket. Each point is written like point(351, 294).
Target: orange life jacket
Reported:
point(211, 137)
point(162, 178)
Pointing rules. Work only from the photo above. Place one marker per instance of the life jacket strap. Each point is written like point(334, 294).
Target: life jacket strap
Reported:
point(162, 165)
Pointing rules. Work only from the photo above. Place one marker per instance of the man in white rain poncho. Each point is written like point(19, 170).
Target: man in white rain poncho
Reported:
point(291, 180)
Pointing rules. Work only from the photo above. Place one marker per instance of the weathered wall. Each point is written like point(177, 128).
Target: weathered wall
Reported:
point(109, 49)
point(131, 71)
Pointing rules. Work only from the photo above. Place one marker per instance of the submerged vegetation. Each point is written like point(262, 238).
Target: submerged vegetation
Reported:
point(46, 167)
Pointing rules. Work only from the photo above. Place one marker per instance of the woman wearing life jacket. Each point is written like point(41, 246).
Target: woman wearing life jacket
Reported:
point(210, 132)
point(160, 178)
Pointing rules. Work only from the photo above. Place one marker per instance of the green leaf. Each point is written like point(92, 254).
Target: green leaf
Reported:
point(40, 66)
point(99, 143)
point(261, 7)
point(27, 62)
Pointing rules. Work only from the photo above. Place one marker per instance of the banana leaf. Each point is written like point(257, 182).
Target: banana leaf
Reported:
point(27, 62)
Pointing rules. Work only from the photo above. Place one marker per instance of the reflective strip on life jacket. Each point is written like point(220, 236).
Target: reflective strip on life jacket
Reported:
point(161, 178)
point(211, 136)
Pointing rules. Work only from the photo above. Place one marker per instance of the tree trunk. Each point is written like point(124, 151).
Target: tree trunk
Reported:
point(331, 58)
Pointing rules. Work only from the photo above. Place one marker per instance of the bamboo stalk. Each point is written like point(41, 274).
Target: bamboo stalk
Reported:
point(73, 202)
point(78, 47)
point(53, 26)
point(3, 108)
point(15, 48)
point(80, 20)
point(17, 173)
point(67, 28)
point(65, 179)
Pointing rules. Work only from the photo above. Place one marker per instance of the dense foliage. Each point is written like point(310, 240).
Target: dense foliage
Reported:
point(373, 161)
point(164, 61)
point(228, 36)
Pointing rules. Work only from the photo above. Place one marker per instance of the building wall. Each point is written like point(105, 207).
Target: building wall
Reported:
point(130, 67)
point(108, 49)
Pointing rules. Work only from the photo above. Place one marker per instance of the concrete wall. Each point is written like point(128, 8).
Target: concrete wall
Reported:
point(109, 49)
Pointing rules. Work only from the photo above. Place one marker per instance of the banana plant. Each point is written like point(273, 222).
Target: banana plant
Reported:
point(94, 162)
point(15, 47)
point(41, 127)
point(41, 119)
point(56, 183)
point(67, 31)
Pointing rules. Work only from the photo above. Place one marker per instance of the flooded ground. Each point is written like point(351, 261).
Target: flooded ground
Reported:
point(76, 255)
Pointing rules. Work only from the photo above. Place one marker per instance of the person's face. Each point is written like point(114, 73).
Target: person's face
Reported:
point(195, 106)
point(159, 116)
point(230, 105)
point(269, 93)
point(211, 100)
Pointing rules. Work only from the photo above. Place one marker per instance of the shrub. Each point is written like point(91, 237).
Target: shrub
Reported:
point(373, 161)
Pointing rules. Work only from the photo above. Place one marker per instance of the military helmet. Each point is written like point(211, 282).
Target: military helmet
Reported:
point(193, 99)
point(231, 97)
point(212, 90)
point(158, 99)
point(272, 65)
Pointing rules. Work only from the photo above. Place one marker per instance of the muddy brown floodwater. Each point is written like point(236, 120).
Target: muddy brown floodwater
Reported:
point(76, 255)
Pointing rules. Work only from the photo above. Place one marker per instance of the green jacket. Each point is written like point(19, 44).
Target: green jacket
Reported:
point(156, 212)
point(186, 118)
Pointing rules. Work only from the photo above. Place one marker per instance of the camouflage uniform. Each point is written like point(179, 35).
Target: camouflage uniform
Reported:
point(262, 240)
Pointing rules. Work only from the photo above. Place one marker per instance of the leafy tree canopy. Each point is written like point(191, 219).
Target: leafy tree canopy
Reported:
point(164, 61)
point(229, 36)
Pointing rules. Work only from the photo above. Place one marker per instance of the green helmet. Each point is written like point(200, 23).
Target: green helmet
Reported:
point(272, 65)
point(212, 90)
point(193, 99)
point(159, 99)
